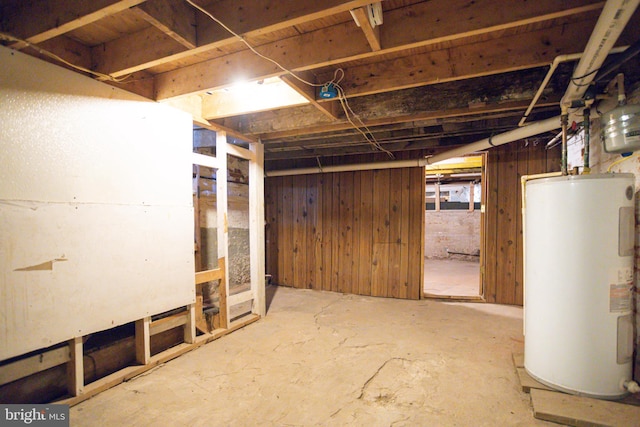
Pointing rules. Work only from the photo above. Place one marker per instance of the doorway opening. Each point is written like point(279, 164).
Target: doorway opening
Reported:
point(453, 226)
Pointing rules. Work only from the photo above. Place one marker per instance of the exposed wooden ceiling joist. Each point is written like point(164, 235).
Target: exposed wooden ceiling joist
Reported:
point(345, 42)
point(175, 18)
point(249, 18)
point(40, 20)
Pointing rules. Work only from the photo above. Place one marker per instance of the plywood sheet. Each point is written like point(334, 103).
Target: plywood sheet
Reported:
point(96, 217)
point(582, 411)
point(74, 269)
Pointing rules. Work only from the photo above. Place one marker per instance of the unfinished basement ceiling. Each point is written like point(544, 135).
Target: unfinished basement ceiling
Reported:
point(433, 75)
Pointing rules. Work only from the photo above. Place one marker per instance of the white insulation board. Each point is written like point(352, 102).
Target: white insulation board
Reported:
point(96, 216)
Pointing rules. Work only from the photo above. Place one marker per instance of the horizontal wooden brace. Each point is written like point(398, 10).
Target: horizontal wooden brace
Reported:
point(167, 323)
point(209, 275)
point(239, 298)
point(241, 152)
point(34, 364)
point(127, 373)
point(203, 160)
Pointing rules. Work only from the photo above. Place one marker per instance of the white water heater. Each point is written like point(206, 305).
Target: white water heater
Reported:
point(579, 246)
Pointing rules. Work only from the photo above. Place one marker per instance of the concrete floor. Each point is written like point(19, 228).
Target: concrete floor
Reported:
point(322, 358)
point(451, 277)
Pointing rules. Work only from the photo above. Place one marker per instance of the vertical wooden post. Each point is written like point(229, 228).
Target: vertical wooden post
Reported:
point(143, 341)
point(471, 196)
point(75, 368)
point(223, 229)
point(190, 326)
point(256, 227)
point(437, 196)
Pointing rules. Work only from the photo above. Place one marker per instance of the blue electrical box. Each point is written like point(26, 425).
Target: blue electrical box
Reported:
point(328, 91)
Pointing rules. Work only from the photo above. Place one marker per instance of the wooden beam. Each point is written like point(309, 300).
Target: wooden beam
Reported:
point(429, 115)
point(329, 109)
point(211, 36)
point(34, 364)
point(143, 343)
point(75, 368)
point(256, 228)
point(222, 225)
point(517, 52)
point(372, 34)
point(173, 17)
point(344, 42)
point(39, 20)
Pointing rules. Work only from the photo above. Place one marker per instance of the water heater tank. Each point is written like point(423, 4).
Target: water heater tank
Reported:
point(579, 245)
point(621, 129)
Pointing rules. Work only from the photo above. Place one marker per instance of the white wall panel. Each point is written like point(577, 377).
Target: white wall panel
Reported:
point(96, 217)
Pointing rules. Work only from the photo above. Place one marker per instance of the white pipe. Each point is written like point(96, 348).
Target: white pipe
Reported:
point(613, 19)
point(503, 138)
point(349, 168)
point(552, 68)
point(554, 64)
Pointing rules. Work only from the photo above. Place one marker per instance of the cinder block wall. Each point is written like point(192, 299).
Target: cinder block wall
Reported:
point(457, 231)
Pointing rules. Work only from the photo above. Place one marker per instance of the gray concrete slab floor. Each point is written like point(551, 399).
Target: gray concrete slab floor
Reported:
point(451, 277)
point(328, 359)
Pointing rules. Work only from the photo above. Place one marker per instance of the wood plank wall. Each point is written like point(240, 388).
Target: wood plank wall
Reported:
point(352, 232)
point(503, 256)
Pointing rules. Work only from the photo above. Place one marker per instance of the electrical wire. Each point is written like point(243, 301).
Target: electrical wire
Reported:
point(100, 76)
point(624, 159)
point(367, 134)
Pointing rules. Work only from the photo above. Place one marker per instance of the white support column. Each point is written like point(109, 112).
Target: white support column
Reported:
point(223, 229)
point(256, 227)
point(143, 341)
point(75, 368)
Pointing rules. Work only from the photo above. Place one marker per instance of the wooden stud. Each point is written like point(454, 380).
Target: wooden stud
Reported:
point(190, 324)
point(256, 228)
point(222, 224)
point(223, 292)
point(471, 196)
point(143, 343)
point(75, 367)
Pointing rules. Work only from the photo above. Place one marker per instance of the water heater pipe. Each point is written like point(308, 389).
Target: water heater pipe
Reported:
point(614, 17)
point(552, 68)
point(587, 140)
